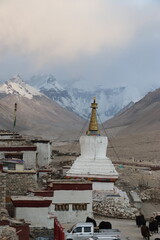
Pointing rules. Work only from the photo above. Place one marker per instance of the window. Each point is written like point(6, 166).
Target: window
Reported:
point(9, 166)
point(14, 155)
point(61, 207)
point(77, 230)
point(87, 229)
point(79, 206)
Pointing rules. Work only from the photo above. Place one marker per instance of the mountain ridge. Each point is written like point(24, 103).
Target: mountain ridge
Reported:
point(36, 114)
point(142, 116)
point(110, 101)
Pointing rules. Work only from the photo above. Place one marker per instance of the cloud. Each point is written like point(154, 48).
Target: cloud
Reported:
point(63, 30)
point(84, 42)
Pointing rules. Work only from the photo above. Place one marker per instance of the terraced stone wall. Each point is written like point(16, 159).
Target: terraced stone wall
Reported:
point(2, 189)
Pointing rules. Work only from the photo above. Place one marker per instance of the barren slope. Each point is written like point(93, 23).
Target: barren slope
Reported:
point(141, 117)
point(39, 116)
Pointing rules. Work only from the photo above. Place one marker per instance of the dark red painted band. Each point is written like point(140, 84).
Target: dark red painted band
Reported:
point(73, 186)
point(32, 203)
point(4, 222)
point(95, 179)
point(10, 149)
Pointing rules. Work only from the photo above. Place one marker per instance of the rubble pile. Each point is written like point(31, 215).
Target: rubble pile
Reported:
point(8, 233)
point(145, 195)
point(10, 228)
point(114, 206)
point(150, 194)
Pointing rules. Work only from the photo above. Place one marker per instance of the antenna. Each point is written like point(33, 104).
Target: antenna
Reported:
point(15, 110)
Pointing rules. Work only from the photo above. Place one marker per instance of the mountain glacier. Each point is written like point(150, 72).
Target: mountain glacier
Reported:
point(110, 101)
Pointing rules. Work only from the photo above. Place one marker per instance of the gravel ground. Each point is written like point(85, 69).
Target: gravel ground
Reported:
point(142, 148)
point(128, 228)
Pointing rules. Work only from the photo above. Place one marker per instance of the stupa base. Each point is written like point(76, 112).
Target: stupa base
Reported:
point(98, 183)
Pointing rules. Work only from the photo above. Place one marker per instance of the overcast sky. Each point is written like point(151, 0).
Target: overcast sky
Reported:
point(87, 42)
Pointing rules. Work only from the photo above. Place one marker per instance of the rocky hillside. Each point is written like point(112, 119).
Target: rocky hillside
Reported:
point(141, 117)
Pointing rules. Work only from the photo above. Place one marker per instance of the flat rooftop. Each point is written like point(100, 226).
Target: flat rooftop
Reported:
point(69, 181)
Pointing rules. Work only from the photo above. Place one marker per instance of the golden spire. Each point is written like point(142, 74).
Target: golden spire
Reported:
point(93, 125)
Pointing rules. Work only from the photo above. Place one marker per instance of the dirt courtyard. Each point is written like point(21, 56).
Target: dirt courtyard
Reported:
point(128, 228)
point(126, 152)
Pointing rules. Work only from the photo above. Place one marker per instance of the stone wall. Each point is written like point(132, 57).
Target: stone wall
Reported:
point(8, 233)
point(2, 189)
point(19, 183)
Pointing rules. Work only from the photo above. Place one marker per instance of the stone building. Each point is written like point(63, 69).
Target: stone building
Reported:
point(62, 199)
point(35, 153)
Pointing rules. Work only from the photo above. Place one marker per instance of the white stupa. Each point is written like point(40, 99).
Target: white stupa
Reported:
point(93, 164)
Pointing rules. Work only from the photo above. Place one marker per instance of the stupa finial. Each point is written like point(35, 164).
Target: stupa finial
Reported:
point(93, 125)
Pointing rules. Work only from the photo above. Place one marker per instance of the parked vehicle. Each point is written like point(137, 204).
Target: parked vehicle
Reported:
point(84, 231)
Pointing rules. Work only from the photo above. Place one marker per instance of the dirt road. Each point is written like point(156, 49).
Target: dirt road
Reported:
point(128, 228)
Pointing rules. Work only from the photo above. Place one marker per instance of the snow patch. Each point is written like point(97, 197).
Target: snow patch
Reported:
point(18, 87)
point(110, 101)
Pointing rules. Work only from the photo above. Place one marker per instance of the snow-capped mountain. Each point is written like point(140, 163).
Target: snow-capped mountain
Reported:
point(48, 85)
point(110, 101)
point(37, 115)
point(18, 87)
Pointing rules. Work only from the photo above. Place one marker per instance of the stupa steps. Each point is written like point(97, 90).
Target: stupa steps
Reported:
point(97, 170)
point(88, 175)
point(92, 160)
point(93, 165)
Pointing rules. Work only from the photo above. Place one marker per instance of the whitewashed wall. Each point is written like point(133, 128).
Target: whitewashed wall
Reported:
point(102, 186)
point(70, 197)
point(19, 167)
point(38, 217)
point(93, 146)
point(44, 153)
point(1, 155)
point(29, 158)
